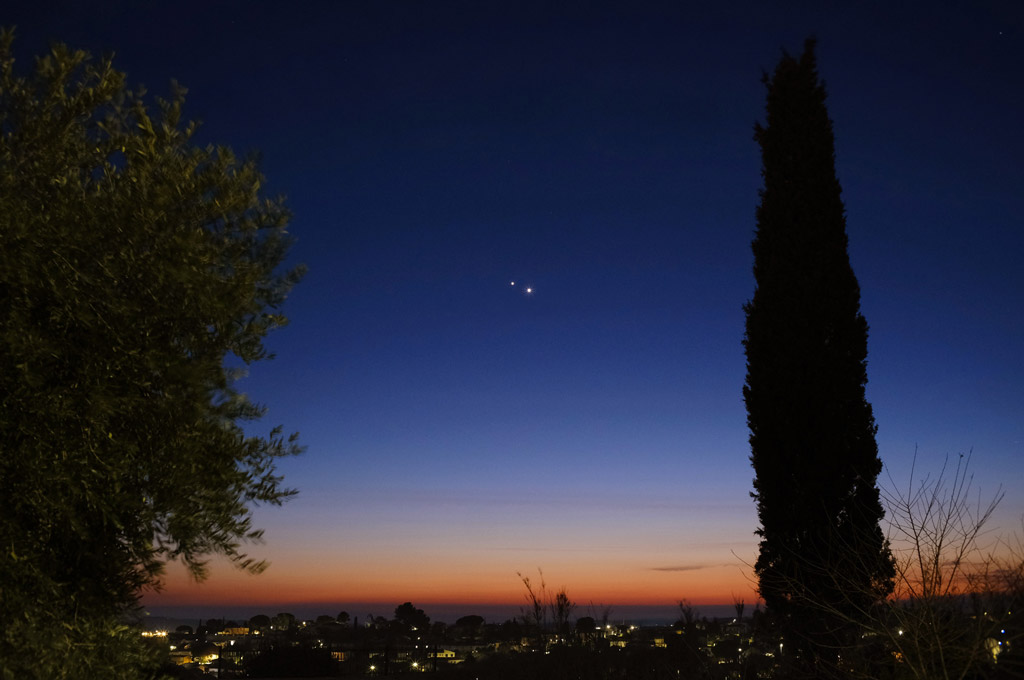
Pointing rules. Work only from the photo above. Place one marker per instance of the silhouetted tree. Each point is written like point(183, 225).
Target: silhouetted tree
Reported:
point(535, 613)
point(472, 621)
point(602, 613)
point(561, 612)
point(586, 629)
point(411, 618)
point(260, 622)
point(812, 430)
point(586, 624)
point(468, 627)
point(688, 614)
point(133, 264)
point(283, 621)
point(691, 648)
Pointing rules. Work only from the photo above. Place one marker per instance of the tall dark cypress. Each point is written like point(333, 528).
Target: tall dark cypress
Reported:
point(823, 556)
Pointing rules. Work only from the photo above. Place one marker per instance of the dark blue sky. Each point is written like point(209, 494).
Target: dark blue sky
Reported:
point(601, 153)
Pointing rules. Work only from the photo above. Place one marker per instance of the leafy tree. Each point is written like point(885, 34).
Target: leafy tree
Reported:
point(812, 431)
point(283, 621)
point(585, 629)
point(472, 621)
point(260, 622)
point(411, 618)
point(586, 624)
point(135, 267)
point(468, 627)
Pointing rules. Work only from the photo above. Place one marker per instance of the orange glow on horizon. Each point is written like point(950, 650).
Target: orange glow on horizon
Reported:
point(293, 584)
point(608, 554)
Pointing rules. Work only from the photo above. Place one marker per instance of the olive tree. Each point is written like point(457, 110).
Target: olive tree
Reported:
point(139, 275)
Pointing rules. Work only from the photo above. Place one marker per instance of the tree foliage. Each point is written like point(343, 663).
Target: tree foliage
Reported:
point(411, 618)
point(470, 621)
point(135, 266)
point(812, 431)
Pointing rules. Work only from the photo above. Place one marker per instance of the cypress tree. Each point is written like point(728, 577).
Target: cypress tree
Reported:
point(823, 558)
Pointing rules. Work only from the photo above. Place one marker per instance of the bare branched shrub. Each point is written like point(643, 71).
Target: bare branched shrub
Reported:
point(946, 582)
point(687, 612)
point(535, 613)
point(546, 611)
point(953, 612)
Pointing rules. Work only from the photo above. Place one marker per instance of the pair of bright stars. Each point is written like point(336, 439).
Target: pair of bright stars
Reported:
point(528, 291)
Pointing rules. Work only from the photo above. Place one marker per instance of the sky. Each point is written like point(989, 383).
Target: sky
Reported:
point(460, 429)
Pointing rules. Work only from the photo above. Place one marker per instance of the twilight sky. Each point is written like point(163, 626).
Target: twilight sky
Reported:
point(459, 429)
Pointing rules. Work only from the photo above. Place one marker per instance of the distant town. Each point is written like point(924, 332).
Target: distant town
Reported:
point(532, 645)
